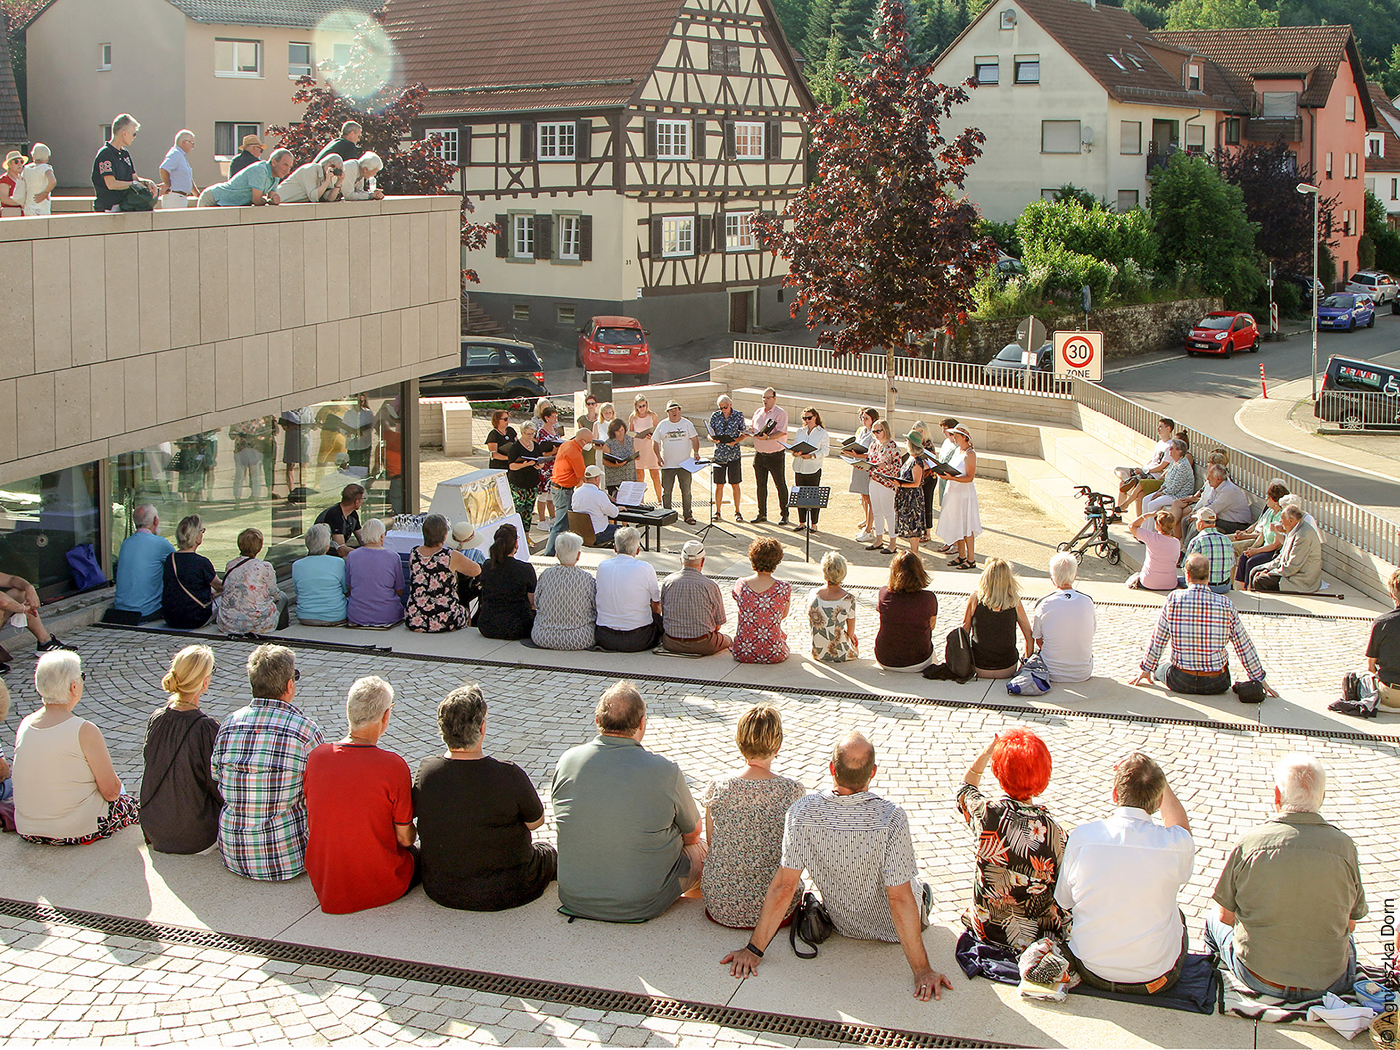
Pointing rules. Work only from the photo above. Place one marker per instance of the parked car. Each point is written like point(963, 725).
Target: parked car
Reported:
point(1359, 394)
point(1008, 369)
point(1008, 266)
point(1380, 286)
point(492, 368)
point(1223, 332)
point(1345, 311)
point(614, 344)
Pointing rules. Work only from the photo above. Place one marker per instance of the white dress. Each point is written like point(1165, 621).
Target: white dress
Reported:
point(959, 518)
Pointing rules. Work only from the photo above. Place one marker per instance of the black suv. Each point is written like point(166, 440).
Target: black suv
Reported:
point(494, 367)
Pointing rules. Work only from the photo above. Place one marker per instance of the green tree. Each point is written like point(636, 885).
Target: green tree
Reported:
point(792, 16)
point(1219, 14)
point(817, 37)
point(1390, 74)
point(1202, 231)
point(1153, 16)
point(1380, 233)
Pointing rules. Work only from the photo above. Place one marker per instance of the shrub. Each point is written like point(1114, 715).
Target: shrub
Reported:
point(1003, 233)
point(1365, 252)
point(1289, 298)
point(1201, 229)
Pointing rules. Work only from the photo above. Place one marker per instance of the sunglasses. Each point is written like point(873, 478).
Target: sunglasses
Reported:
point(296, 676)
point(808, 417)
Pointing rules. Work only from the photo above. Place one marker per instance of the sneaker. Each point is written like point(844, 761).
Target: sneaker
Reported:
point(52, 645)
point(864, 536)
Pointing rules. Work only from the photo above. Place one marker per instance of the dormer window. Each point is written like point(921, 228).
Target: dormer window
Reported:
point(1193, 77)
point(1375, 145)
point(1116, 62)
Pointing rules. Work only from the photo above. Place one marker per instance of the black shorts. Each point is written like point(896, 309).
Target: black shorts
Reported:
point(729, 473)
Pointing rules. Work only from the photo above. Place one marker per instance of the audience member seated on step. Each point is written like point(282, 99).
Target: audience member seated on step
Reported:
point(251, 601)
point(434, 601)
point(565, 608)
point(1258, 544)
point(7, 782)
point(1228, 500)
point(66, 792)
point(692, 607)
point(992, 615)
point(1018, 845)
point(1215, 547)
point(1290, 895)
point(344, 519)
point(1063, 624)
point(908, 613)
point(259, 760)
point(831, 610)
point(359, 810)
point(19, 598)
point(1163, 552)
point(590, 499)
point(856, 848)
point(1138, 482)
point(374, 582)
point(629, 829)
point(1178, 481)
point(140, 566)
point(762, 606)
point(319, 581)
point(744, 814)
point(1199, 624)
point(628, 597)
point(507, 609)
point(1120, 877)
point(180, 802)
point(1297, 568)
point(475, 814)
point(189, 583)
point(1383, 648)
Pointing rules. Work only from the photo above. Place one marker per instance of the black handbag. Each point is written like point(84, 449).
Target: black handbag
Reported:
point(810, 924)
point(957, 653)
point(1249, 692)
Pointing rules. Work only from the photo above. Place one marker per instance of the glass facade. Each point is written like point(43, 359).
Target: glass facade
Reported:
point(42, 519)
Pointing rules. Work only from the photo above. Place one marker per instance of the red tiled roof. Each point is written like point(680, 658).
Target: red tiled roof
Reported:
point(1315, 52)
point(1388, 121)
point(481, 56)
point(12, 128)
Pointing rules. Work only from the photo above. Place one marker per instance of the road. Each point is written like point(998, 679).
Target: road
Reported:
point(1205, 392)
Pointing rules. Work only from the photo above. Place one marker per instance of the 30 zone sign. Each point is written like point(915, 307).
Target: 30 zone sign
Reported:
point(1079, 354)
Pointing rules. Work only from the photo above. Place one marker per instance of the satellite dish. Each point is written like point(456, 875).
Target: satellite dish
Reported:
point(1087, 136)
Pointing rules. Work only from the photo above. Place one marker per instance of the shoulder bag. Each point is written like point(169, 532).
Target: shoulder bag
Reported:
point(176, 573)
point(811, 924)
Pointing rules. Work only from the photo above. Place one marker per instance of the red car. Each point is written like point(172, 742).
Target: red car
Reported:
point(614, 344)
point(1223, 333)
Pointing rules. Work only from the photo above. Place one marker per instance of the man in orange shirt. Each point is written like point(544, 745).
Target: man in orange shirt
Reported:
point(567, 476)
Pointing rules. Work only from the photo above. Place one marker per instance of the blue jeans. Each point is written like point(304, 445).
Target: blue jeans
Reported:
point(563, 503)
point(1221, 939)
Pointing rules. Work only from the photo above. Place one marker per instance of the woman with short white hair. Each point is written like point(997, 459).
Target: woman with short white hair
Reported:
point(374, 581)
point(565, 609)
point(66, 791)
point(319, 581)
point(358, 181)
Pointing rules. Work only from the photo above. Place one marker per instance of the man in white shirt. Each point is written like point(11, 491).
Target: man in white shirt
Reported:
point(1063, 624)
point(590, 499)
point(1120, 876)
point(676, 441)
point(628, 598)
point(176, 176)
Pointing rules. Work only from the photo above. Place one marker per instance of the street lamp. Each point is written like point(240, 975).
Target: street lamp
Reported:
point(1304, 188)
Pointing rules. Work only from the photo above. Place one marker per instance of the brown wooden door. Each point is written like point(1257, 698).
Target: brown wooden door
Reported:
point(739, 311)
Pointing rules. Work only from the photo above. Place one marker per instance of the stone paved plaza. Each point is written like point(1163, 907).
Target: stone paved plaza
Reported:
point(76, 983)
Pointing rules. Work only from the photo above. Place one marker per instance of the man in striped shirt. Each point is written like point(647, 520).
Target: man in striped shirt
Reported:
point(1199, 624)
point(259, 759)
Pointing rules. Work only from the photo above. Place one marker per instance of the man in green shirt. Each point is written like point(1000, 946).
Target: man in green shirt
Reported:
point(629, 829)
point(1290, 895)
point(255, 184)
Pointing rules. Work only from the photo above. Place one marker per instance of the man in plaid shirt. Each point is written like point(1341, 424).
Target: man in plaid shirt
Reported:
point(1199, 623)
point(1216, 547)
point(259, 757)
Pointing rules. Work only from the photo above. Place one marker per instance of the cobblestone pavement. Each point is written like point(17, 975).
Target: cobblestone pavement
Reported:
point(73, 986)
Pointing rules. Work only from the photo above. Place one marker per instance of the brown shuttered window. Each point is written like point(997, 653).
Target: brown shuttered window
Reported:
point(697, 146)
point(773, 141)
point(729, 148)
point(650, 145)
point(656, 238)
point(544, 236)
point(724, 57)
point(527, 141)
point(704, 229)
point(583, 139)
point(502, 235)
point(585, 238)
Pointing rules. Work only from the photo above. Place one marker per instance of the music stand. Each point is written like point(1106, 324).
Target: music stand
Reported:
point(714, 502)
point(809, 497)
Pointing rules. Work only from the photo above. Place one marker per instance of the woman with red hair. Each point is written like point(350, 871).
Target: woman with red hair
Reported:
point(1019, 845)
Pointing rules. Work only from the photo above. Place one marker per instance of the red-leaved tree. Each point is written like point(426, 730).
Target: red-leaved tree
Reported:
point(882, 246)
point(360, 92)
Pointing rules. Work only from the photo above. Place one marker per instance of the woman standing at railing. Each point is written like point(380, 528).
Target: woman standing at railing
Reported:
point(959, 522)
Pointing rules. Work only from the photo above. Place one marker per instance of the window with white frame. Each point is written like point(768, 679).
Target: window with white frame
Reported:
point(1130, 137)
point(1193, 77)
point(678, 235)
point(1375, 144)
point(1349, 222)
point(522, 236)
point(1351, 165)
point(1395, 189)
point(568, 229)
point(298, 61)
point(238, 58)
point(555, 141)
point(1351, 107)
point(1195, 138)
point(1059, 136)
point(738, 231)
point(446, 147)
point(1127, 201)
point(673, 140)
point(987, 70)
point(1028, 69)
point(340, 54)
point(1327, 165)
point(228, 137)
point(104, 56)
point(748, 140)
point(106, 132)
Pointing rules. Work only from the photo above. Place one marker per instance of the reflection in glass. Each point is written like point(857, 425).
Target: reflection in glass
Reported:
point(41, 520)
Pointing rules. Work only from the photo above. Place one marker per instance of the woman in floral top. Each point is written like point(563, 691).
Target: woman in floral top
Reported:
point(1019, 845)
point(831, 610)
point(434, 603)
point(763, 604)
point(252, 602)
point(885, 461)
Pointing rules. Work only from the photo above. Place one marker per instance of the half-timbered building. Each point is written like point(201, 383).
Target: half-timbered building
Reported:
point(623, 148)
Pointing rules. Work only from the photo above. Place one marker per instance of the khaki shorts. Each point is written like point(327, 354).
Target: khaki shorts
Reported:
point(1389, 696)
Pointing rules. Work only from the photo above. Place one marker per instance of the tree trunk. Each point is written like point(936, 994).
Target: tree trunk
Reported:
point(889, 385)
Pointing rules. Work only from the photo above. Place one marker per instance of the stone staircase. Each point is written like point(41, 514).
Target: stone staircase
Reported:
point(475, 320)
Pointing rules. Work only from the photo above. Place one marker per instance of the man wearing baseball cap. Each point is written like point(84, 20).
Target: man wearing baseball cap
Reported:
point(676, 441)
point(692, 609)
point(590, 499)
point(1217, 548)
point(250, 152)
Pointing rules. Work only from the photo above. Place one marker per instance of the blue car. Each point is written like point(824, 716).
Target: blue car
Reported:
point(1346, 311)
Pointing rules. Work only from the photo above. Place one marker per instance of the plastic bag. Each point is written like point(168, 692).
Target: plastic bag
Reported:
point(1045, 972)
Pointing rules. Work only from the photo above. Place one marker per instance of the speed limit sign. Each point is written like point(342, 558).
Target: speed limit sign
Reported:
point(1079, 354)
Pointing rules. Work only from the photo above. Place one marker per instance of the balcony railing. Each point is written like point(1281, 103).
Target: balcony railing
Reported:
point(1271, 129)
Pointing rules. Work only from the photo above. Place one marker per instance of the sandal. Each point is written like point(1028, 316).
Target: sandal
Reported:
point(738, 516)
point(876, 547)
point(963, 563)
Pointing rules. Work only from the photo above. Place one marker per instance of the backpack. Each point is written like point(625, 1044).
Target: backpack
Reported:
point(957, 653)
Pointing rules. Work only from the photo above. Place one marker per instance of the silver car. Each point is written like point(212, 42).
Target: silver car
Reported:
point(1380, 286)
